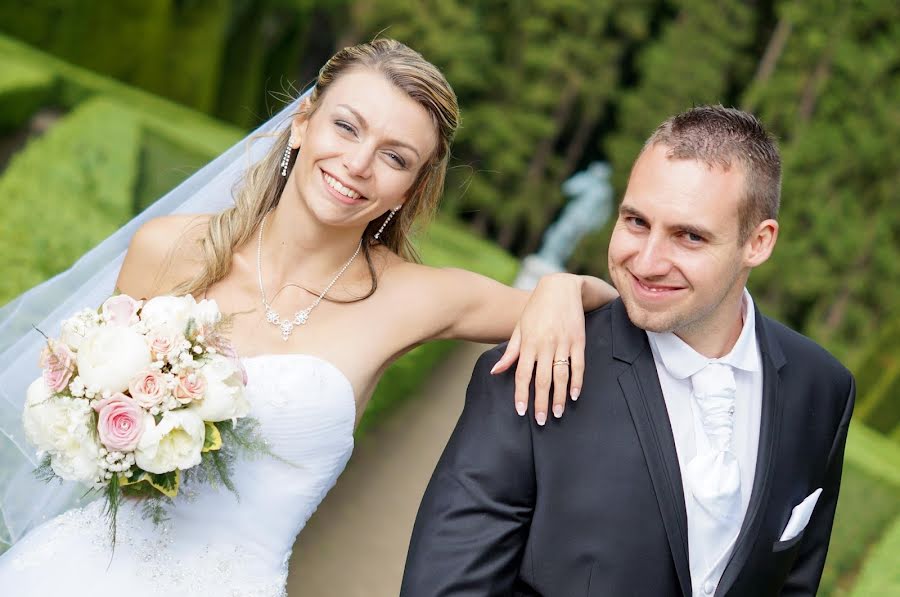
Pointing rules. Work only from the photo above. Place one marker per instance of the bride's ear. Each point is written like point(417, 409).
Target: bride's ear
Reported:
point(300, 122)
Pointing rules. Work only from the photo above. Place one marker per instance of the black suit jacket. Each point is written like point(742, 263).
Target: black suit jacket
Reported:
point(592, 504)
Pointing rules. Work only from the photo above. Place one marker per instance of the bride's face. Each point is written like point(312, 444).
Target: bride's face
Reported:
point(361, 149)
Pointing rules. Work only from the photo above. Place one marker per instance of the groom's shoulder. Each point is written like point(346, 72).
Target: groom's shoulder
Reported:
point(597, 328)
point(800, 349)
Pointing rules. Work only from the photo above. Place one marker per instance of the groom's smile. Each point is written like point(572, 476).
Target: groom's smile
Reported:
point(674, 254)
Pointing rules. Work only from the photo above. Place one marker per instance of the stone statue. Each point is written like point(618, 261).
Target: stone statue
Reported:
point(588, 209)
point(590, 205)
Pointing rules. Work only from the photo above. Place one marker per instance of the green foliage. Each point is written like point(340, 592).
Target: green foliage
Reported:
point(65, 192)
point(23, 89)
point(835, 274)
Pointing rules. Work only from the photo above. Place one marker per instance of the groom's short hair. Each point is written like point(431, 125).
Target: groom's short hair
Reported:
point(720, 136)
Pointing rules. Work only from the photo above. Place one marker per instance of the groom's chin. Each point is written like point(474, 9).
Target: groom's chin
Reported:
point(649, 321)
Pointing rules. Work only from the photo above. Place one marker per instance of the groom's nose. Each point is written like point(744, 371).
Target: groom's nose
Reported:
point(652, 258)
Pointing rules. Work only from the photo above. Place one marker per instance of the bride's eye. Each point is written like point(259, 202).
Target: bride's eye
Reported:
point(345, 126)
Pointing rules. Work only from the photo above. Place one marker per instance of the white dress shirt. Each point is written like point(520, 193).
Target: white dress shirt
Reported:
point(675, 363)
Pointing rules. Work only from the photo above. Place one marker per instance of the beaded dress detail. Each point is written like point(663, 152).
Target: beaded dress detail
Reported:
point(213, 542)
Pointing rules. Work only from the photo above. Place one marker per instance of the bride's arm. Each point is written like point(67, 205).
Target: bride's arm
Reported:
point(543, 326)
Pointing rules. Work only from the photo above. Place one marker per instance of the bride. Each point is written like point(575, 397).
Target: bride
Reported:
point(318, 234)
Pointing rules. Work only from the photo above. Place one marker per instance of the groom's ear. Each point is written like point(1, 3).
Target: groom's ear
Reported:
point(760, 243)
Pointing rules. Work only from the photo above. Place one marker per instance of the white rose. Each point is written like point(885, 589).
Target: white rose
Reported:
point(76, 327)
point(173, 443)
point(80, 463)
point(112, 356)
point(167, 311)
point(223, 397)
point(207, 313)
point(55, 424)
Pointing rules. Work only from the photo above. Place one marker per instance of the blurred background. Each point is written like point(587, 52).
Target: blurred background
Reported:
point(105, 106)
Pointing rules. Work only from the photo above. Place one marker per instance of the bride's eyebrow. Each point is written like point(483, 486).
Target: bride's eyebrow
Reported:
point(365, 125)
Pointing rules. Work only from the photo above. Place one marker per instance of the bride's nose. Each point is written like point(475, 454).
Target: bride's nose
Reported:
point(358, 161)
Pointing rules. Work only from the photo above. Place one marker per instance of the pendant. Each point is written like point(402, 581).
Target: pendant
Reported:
point(287, 325)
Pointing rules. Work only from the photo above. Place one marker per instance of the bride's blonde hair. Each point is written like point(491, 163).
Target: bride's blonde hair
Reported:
point(263, 184)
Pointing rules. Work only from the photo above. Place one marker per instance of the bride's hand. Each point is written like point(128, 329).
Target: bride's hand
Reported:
point(549, 341)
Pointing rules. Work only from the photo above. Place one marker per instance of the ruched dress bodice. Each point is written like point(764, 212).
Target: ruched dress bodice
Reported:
point(213, 542)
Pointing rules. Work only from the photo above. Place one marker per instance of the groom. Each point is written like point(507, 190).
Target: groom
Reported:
point(705, 457)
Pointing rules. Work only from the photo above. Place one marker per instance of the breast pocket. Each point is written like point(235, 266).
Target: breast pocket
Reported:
point(782, 546)
point(784, 554)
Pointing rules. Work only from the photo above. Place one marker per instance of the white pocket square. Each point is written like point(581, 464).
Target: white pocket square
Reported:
point(800, 516)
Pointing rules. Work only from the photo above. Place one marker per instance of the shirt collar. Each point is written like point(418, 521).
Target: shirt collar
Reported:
point(682, 361)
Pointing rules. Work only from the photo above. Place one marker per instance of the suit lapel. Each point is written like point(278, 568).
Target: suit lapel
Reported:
point(769, 431)
point(640, 385)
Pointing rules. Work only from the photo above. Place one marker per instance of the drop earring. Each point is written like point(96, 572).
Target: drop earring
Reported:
point(286, 159)
point(385, 223)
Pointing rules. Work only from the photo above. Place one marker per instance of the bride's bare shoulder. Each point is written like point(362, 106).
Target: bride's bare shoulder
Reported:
point(163, 253)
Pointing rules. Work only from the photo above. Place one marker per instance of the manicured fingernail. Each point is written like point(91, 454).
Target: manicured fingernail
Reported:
point(494, 368)
point(520, 408)
point(541, 418)
point(557, 410)
point(575, 393)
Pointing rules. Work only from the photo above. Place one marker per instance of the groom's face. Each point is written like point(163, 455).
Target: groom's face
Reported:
point(674, 254)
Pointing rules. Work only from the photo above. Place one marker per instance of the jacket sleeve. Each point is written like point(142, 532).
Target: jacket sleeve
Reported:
point(803, 579)
point(472, 524)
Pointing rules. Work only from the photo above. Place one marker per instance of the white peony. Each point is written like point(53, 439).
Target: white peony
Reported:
point(62, 427)
point(207, 313)
point(80, 463)
point(167, 311)
point(223, 397)
point(54, 423)
point(173, 443)
point(77, 327)
point(110, 357)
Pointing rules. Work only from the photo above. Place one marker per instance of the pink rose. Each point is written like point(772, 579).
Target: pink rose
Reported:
point(149, 388)
point(120, 310)
point(190, 387)
point(162, 344)
point(120, 423)
point(58, 363)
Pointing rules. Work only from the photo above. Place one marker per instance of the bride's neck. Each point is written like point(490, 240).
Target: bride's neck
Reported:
point(295, 247)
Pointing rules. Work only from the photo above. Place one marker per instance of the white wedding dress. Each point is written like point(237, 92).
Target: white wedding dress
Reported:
point(213, 543)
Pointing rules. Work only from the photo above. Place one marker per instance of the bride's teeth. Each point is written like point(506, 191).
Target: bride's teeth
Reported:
point(337, 186)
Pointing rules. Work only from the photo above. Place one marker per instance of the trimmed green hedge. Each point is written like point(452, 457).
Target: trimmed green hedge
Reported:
point(65, 192)
point(881, 573)
point(163, 165)
point(133, 40)
point(877, 373)
point(180, 125)
point(23, 89)
point(869, 502)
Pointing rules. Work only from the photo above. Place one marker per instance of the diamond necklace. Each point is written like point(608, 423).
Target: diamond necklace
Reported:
point(301, 316)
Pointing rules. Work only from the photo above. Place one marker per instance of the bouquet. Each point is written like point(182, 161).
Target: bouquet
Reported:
point(136, 394)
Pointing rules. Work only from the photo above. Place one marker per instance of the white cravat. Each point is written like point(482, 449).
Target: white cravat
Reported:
point(713, 475)
point(714, 408)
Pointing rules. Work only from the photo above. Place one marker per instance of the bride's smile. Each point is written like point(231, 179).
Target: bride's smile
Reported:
point(360, 151)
